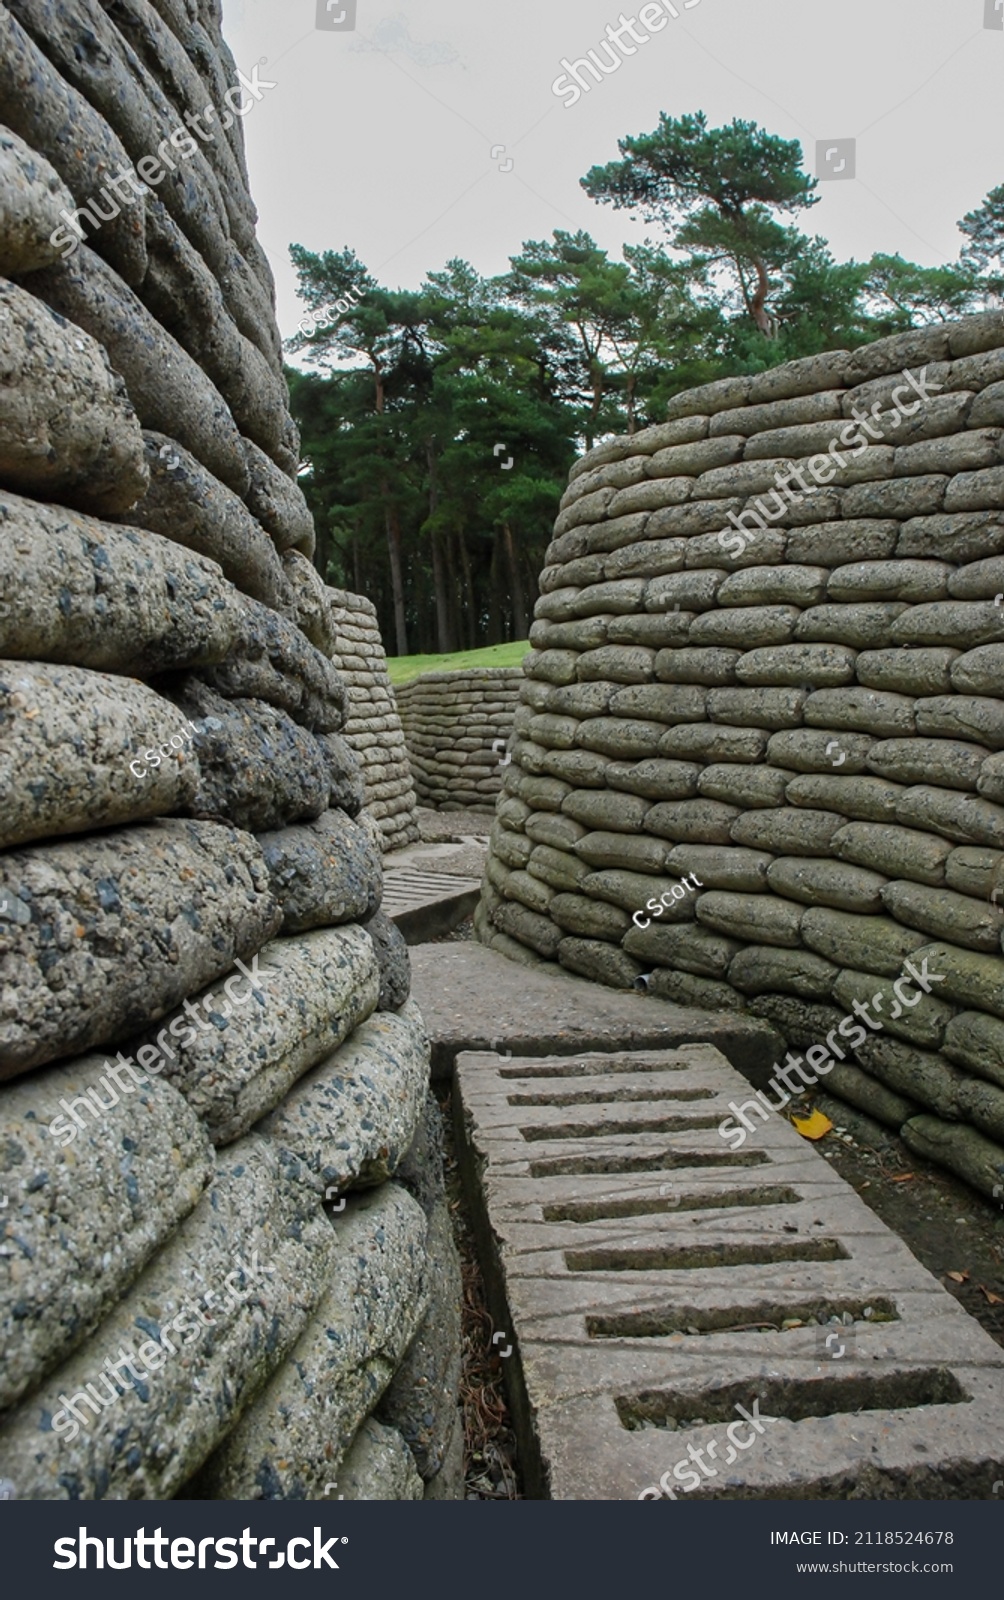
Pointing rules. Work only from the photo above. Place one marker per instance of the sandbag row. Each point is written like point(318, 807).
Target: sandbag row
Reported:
point(760, 744)
point(372, 724)
point(458, 726)
point(222, 1244)
point(184, 214)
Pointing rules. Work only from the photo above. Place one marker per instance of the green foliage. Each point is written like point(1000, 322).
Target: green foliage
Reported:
point(984, 232)
point(684, 172)
point(416, 506)
point(907, 296)
point(415, 391)
point(715, 192)
point(403, 669)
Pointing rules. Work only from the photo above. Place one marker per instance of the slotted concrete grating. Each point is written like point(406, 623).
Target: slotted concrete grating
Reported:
point(427, 904)
point(642, 1269)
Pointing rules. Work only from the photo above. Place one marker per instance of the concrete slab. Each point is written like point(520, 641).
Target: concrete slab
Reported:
point(426, 904)
point(472, 998)
point(655, 1285)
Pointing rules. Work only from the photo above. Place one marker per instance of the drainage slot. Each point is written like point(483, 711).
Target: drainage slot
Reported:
point(601, 1067)
point(763, 1317)
point(792, 1398)
point(692, 1257)
point(595, 1097)
point(601, 1130)
point(660, 1161)
point(710, 1200)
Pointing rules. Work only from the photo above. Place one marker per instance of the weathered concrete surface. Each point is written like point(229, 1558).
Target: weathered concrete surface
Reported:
point(654, 1276)
point(379, 1466)
point(72, 748)
point(351, 1121)
point(456, 725)
point(115, 82)
point(142, 1438)
point(122, 926)
point(250, 1042)
point(277, 664)
point(171, 393)
point(324, 873)
point(186, 503)
point(257, 767)
point(113, 599)
point(373, 725)
point(425, 904)
point(88, 1202)
point(421, 1400)
point(31, 197)
point(474, 999)
point(67, 429)
point(394, 961)
point(309, 601)
point(291, 1444)
point(278, 502)
point(56, 120)
point(167, 61)
point(807, 716)
point(187, 299)
point(348, 787)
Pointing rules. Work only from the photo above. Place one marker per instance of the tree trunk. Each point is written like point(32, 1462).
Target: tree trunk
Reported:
point(758, 311)
point(496, 604)
point(455, 592)
point(443, 629)
point(322, 550)
point(596, 376)
point(519, 623)
point(393, 526)
point(469, 603)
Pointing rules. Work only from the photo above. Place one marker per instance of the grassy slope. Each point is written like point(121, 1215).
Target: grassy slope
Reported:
point(403, 668)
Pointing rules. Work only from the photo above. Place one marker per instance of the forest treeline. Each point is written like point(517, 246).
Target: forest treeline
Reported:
point(440, 423)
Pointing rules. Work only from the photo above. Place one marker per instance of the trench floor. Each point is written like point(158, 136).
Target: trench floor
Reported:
point(950, 1230)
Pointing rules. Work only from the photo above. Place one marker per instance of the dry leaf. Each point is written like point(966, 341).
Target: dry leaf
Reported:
point(812, 1127)
point(991, 1298)
point(958, 1277)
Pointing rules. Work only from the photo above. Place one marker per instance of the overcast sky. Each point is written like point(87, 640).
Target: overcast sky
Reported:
point(380, 136)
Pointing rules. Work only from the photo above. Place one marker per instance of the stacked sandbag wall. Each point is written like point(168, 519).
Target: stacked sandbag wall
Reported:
point(372, 724)
point(458, 726)
point(766, 694)
point(225, 1264)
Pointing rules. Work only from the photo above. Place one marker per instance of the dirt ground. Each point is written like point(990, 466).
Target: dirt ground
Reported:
point(953, 1231)
point(491, 1469)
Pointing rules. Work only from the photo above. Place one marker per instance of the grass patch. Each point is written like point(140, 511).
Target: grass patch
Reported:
point(403, 668)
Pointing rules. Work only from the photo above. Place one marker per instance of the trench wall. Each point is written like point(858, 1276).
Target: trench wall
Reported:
point(226, 1265)
point(451, 721)
point(372, 724)
point(804, 719)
